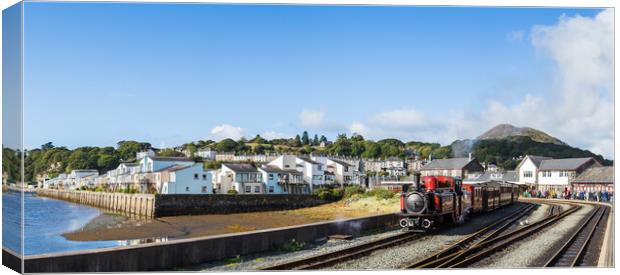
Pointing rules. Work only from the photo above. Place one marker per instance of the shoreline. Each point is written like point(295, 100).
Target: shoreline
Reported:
point(109, 226)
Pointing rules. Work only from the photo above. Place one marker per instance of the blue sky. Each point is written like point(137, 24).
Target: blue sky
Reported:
point(97, 73)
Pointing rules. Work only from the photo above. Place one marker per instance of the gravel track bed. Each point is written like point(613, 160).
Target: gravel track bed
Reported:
point(539, 213)
point(534, 251)
point(391, 258)
point(397, 256)
point(262, 260)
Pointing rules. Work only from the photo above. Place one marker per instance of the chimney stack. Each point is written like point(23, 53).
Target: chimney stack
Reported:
point(469, 156)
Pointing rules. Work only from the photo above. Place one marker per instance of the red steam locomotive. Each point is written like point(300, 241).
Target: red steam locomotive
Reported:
point(441, 199)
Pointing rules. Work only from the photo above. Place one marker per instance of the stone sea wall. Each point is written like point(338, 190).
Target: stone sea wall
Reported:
point(153, 206)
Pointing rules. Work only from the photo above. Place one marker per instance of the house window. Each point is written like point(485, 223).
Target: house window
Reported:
point(270, 189)
point(270, 176)
point(527, 174)
point(186, 188)
point(204, 189)
point(195, 176)
point(256, 189)
point(320, 167)
point(204, 176)
point(248, 189)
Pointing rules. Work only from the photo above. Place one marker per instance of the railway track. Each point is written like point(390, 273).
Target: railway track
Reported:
point(445, 256)
point(571, 253)
point(332, 258)
point(475, 251)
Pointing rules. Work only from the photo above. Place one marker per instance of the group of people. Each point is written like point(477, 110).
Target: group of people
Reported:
point(599, 196)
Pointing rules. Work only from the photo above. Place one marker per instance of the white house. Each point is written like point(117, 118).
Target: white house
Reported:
point(527, 170)
point(185, 179)
point(557, 174)
point(344, 172)
point(76, 178)
point(206, 153)
point(280, 181)
point(151, 163)
point(241, 177)
point(313, 171)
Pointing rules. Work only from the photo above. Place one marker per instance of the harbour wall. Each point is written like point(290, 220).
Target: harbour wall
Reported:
point(175, 205)
point(153, 206)
point(130, 204)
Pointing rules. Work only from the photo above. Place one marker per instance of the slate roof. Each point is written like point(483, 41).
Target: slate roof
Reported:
point(448, 164)
point(563, 164)
point(341, 162)
point(308, 160)
point(171, 158)
point(508, 176)
point(241, 167)
point(173, 168)
point(603, 174)
point(511, 176)
point(537, 159)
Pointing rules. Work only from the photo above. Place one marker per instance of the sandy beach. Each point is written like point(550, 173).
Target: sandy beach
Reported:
point(115, 227)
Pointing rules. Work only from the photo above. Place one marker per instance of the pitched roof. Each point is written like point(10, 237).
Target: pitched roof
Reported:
point(603, 174)
point(511, 176)
point(241, 167)
point(275, 169)
point(85, 170)
point(450, 164)
point(308, 160)
point(172, 159)
point(394, 159)
point(563, 164)
point(537, 159)
point(340, 162)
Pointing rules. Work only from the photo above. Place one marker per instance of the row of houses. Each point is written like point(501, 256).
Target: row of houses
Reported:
point(393, 166)
point(533, 172)
point(286, 174)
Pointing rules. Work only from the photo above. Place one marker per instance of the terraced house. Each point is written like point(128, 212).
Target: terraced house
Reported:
point(241, 177)
point(557, 174)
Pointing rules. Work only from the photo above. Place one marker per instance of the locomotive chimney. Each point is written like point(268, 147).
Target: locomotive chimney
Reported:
point(416, 180)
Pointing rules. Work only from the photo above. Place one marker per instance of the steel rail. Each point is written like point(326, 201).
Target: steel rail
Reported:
point(334, 257)
point(477, 237)
point(484, 249)
point(572, 251)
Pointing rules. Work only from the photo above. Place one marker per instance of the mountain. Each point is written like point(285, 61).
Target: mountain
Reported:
point(503, 131)
point(505, 144)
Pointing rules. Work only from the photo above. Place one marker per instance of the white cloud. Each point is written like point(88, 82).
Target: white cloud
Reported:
point(578, 109)
point(400, 118)
point(273, 135)
point(516, 35)
point(226, 131)
point(311, 118)
point(358, 128)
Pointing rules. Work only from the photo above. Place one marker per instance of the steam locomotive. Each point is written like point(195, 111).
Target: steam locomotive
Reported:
point(441, 200)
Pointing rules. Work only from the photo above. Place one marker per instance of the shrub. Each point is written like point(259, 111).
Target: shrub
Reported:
point(381, 194)
point(337, 193)
point(292, 246)
point(352, 190)
point(232, 192)
point(322, 193)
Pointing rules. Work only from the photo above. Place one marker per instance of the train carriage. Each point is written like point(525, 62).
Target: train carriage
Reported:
point(438, 200)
